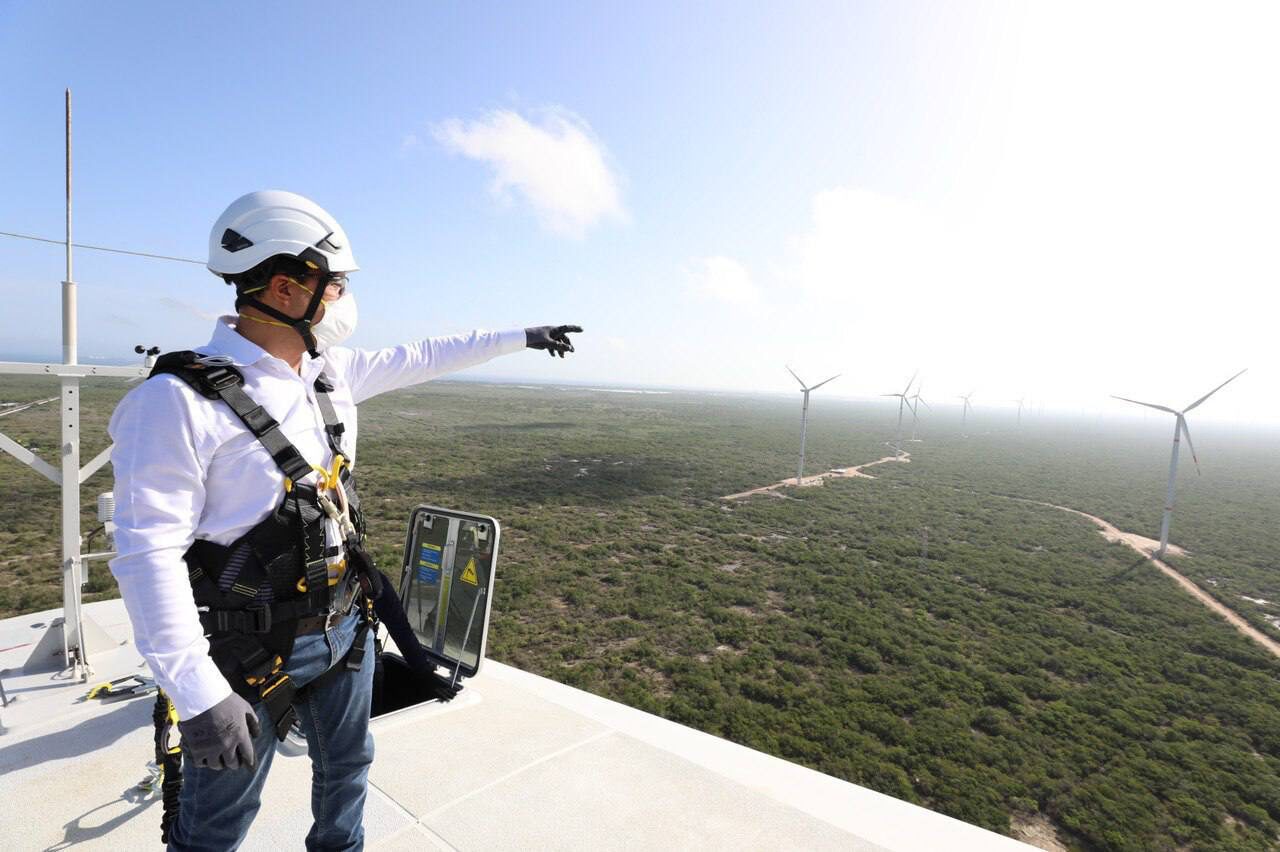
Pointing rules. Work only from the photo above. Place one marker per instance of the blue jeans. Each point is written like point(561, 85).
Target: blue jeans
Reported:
point(218, 806)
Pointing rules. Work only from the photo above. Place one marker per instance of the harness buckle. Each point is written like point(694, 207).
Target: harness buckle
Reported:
point(261, 617)
point(220, 378)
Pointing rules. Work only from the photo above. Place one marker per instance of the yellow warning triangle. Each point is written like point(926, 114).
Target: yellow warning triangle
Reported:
point(469, 573)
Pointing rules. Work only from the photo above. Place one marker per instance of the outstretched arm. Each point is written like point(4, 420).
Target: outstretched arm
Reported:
point(370, 372)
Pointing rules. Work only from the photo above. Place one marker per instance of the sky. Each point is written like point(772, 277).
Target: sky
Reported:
point(1056, 201)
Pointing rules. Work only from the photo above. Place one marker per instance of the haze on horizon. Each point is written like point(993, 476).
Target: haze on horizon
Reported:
point(1056, 202)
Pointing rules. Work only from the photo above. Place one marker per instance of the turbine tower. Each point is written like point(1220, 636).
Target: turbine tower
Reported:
point(1179, 430)
point(964, 415)
point(1020, 400)
point(804, 417)
point(916, 401)
point(903, 400)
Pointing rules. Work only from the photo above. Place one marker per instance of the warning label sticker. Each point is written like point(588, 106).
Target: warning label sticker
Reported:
point(469, 573)
point(429, 558)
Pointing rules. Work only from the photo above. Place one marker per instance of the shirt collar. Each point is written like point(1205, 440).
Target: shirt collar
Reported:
point(243, 352)
point(227, 341)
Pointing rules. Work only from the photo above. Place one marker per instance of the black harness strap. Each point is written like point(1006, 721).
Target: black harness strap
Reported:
point(333, 427)
point(266, 430)
point(214, 379)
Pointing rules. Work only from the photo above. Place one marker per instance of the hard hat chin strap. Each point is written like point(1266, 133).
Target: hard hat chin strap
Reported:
point(302, 324)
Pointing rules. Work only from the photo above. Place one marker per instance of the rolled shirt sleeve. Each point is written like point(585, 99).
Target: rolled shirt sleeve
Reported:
point(161, 460)
point(369, 372)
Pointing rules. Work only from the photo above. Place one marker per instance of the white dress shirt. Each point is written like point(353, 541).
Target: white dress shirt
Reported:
point(187, 468)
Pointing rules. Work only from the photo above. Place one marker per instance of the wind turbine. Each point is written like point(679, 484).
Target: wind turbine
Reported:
point(804, 416)
point(916, 401)
point(903, 400)
point(1179, 429)
point(1020, 400)
point(964, 416)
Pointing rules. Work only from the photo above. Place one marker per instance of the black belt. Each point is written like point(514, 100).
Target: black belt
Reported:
point(319, 623)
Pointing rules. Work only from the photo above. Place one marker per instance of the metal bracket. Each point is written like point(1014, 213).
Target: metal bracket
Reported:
point(74, 371)
point(30, 459)
point(96, 464)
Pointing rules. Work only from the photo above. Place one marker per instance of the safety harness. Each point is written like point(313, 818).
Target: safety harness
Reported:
point(252, 593)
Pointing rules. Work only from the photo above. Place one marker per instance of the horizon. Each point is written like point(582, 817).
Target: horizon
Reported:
point(1036, 411)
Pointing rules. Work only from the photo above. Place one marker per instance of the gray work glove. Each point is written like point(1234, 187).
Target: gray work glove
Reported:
point(553, 338)
point(222, 736)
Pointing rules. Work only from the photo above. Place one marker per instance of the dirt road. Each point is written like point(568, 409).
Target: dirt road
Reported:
point(1147, 547)
point(1143, 545)
point(817, 479)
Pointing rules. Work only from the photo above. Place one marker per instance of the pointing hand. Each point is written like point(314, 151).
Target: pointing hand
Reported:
point(553, 338)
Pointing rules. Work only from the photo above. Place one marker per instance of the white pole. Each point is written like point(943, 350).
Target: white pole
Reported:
point(1169, 494)
point(69, 353)
point(74, 650)
point(898, 439)
point(804, 422)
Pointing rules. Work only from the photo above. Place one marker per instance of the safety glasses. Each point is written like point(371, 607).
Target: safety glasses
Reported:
point(334, 284)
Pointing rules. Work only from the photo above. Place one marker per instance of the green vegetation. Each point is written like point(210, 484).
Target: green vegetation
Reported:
point(1024, 668)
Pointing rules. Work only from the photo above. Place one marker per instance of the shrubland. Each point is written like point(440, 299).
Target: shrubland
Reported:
point(1018, 667)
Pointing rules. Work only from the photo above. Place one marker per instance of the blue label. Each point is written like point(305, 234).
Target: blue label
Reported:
point(427, 574)
point(430, 554)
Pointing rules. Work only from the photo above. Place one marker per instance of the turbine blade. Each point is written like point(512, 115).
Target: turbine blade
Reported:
point(1147, 404)
point(912, 381)
point(1186, 433)
point(920, 400)
point(797, 378)
point(1215, 390)
point(820, 384)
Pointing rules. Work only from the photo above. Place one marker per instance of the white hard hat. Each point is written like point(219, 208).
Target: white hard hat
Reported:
point(270, 222)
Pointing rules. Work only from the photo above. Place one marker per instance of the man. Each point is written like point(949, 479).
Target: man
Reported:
point(238, 528)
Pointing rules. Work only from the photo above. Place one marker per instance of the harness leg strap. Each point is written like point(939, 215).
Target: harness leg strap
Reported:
point(355, 657)
point(278, 695)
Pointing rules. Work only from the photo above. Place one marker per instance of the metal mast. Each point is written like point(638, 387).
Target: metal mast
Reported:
point(74, 646)
point(70, 633)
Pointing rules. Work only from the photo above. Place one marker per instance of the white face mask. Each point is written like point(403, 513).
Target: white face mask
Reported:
point(338, 323)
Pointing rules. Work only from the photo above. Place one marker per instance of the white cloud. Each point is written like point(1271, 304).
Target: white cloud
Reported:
point(554, 163)
point(723, 279)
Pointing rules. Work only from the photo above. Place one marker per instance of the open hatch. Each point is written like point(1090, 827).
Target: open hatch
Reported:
point(446, 586)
